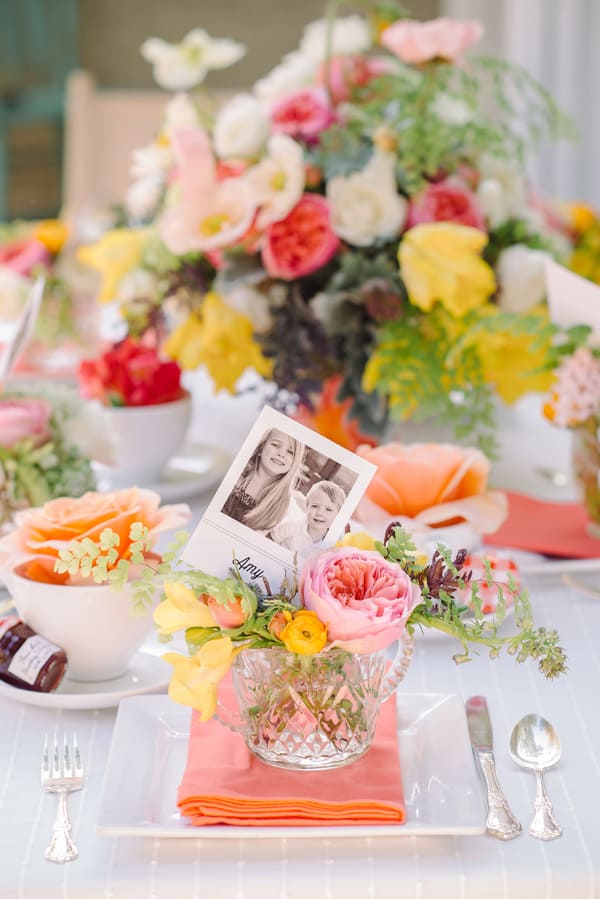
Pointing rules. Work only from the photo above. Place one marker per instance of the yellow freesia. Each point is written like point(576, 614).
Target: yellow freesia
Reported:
point(180, 610)
point(305, 634)
point(358, 539)
point(441, 262)
point(221, 339)
point(52, 233)
point(195, 678)
point(511, 363)
point(114, 256)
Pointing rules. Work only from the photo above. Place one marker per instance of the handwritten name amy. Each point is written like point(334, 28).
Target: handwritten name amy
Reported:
point(246, 565)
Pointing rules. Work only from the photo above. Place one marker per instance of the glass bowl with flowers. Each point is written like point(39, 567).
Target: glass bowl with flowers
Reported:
point(309, 661)
point(362, 214)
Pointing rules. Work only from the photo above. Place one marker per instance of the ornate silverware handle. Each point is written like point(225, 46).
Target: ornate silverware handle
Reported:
point(543, 825)
point(500, 820)
point(61, 848)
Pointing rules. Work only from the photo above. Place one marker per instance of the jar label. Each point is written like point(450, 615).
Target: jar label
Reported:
point(7, 623)
point(31, 657)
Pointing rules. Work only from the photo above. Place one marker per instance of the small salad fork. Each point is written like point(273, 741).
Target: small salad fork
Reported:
point(61, 775)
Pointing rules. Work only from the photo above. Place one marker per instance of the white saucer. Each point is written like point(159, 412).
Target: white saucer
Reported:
point(196, 467)
point(147, 674)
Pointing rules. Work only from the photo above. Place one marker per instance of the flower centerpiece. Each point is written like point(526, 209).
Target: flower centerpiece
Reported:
point(29, 250)
point(47, 439)
point(309, 660)
point(361, 214)
point(574, 402)
point(147, 409)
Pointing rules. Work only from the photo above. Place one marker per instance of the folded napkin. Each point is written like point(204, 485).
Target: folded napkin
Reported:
point(224, 783)
point(554, 529)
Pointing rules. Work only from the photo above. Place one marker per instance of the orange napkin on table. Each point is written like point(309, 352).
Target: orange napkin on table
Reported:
point(224, 783)
point(554, 529)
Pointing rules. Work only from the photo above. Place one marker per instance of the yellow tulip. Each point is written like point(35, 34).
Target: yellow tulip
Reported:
point(114, 256)
point(181, 609)
point(305, 634)
point(195, 678)
point(358, 539)
point(221, 339)
point(441, 262)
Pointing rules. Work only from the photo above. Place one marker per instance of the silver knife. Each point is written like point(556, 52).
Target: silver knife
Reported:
point(500, 820)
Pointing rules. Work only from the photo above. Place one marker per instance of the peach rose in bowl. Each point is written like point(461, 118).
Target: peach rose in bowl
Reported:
point(44, 531)
point(428, 487)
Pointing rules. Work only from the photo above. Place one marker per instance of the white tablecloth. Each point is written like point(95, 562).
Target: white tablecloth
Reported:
point(473, 867)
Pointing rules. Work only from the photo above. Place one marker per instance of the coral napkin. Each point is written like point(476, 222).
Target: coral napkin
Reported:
point(224, 783)
point(554, 529)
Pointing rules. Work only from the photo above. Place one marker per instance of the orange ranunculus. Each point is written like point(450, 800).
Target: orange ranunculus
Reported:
point(46, 530)
point(331, 417)
point(414, 477)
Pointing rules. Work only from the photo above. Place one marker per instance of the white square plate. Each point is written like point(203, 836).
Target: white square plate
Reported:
point(442, 790)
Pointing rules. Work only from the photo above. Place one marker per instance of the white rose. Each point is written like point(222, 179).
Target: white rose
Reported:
point(501, 190)
point(142, 196)
point(252, 303)
point(365, 205)
point(241, 128)
point(151, 161)
point(293, 73)
point(350, 35)
point(278, 180)
point(451, 110)
point(179, 67)
point(521, 278)
point(180, 112)
point(137, 284)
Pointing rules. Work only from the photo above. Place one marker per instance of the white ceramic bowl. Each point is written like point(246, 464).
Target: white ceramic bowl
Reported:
point(95, 624)
point(145, 438)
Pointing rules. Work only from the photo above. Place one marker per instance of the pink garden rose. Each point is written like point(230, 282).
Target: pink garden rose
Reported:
point(24, 418)
point(24, 254)
point(347, 73)
point(363, 599)
point(418, 42)
point(302, 242)
point(303, 114)
point(446, 201)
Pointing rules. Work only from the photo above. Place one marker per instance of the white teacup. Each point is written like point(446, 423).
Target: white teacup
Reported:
point(95, 624)
point(145, 438)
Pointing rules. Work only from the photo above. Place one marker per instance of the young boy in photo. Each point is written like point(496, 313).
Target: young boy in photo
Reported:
point(323, 502)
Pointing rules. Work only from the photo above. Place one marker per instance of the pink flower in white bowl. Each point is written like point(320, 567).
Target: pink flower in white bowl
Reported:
point(418, 42)
point(26, 418)
point(362, 598)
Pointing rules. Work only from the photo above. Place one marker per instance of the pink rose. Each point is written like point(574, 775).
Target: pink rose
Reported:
point(303, 114)
point(24, 418)
point(302, 242)
point(229, 616)
point(363, 599)
point(24, 254)
point(446, 201)
point(417, 42)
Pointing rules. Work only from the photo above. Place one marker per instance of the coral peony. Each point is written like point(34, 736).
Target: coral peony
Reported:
point(362, 598)
point(302, 242)
point(446, 201)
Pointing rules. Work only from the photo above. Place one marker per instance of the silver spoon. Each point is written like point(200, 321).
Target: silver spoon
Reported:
point(534, 744)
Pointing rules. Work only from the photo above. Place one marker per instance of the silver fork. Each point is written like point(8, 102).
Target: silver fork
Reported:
point(62, 775)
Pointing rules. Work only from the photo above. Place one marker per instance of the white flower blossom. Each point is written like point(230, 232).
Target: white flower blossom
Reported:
point(180, 112)
point(451, 110)
point(138, 283)
point(151, 161)
point(142, 196)
point(501, 191)
point(252, 303)
point(293, 73)
point(242, 128)
point(184, 65)
point(521, 277)
point(350, 35)
point(278, 180)
point(366, 205)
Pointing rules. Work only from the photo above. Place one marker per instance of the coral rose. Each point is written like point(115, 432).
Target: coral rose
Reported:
point(302, 115)
point(446, 201)
point(363, 599)
point(302, 242)
point(414, 477)
point(26, 418)
point(418, 42)
point(46, 530)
